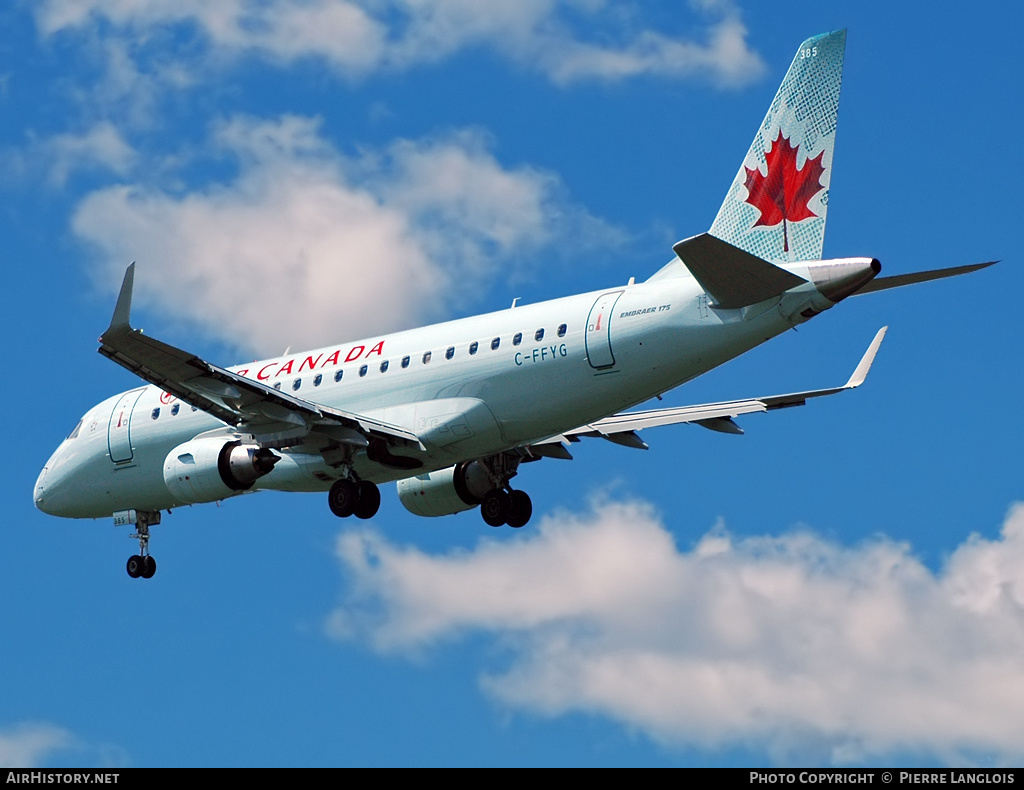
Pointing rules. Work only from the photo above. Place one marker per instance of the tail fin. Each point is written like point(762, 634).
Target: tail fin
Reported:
point(776, 206)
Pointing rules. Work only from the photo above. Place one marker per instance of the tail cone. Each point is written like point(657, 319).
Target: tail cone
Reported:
point(835, 280)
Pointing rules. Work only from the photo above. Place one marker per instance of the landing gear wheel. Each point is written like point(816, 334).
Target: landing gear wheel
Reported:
point(343, 498)
point(140, 564)
point(369, 499)
point(496, 507)
point(522, 509)
point(135, 566)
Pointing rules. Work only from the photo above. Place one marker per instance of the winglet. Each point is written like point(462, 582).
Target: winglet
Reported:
point(123, 309)
point(864, 365)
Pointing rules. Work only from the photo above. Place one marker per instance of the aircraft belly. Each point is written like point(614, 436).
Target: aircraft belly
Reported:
point(448, 426)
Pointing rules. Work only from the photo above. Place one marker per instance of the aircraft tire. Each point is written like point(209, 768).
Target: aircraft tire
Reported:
point(369, 500)
point(343, 498)
point(148, 567)
point(522, 509)
point(135, 566)
point(496, 507)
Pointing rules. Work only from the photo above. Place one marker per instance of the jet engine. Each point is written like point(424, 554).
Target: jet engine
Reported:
point(205, 470)
point(445, 491)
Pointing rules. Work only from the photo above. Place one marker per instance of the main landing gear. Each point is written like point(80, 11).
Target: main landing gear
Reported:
point(359, 498)
point(506, 507)
point(141, 564)
point(499, 504)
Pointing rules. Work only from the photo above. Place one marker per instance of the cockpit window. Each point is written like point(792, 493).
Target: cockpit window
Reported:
point(74, 433)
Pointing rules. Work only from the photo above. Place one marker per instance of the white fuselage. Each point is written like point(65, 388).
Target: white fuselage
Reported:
point(619, 347)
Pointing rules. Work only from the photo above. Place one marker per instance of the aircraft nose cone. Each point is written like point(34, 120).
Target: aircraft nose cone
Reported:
point(39, 494)
point(836, 280)
point(53, 491)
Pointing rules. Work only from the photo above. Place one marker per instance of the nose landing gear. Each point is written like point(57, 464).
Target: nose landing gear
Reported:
point(141, 564)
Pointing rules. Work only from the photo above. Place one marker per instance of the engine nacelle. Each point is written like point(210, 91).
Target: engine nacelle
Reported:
point(445, 491)
point(205, 470)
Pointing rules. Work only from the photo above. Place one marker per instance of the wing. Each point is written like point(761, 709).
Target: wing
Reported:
point(621, 428)
point(236, 400)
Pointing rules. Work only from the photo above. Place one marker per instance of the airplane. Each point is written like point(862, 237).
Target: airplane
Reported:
point(450, 412)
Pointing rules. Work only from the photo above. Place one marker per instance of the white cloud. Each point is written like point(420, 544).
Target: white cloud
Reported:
point(99, 148)
point(356, 38)
point(306, 247)
point(29, 745)
point(813, 651)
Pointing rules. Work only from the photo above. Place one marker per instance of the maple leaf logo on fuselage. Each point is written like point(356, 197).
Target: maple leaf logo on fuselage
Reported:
point(784, 193)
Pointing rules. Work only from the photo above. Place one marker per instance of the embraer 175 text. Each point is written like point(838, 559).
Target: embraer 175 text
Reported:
point(451, 411)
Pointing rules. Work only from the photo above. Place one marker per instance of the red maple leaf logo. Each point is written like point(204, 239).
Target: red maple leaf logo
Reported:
point(784, 193)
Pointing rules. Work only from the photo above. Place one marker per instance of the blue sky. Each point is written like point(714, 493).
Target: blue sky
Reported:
point(840, 586)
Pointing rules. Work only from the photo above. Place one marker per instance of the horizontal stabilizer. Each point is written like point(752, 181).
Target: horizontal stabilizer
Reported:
point(896, 281)
point(732, 277)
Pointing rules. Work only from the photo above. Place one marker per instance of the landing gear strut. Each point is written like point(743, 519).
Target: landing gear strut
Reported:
point(359, 498)
point(500, 505)
point(141, 564)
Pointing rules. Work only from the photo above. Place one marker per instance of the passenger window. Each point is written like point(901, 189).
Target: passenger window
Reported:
point(473, 347)
point(450, 352)
point(317, 379)
point(277, 386)
point(338, 374)
point(174, 409)
point(495, 343)
point(384, 366)
point(362, 370)
point(539, 336)
point(426, 358)
point(405, 362)
point(561, 330)
point(296, 384)
point(156, 412)
point(517, 338)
